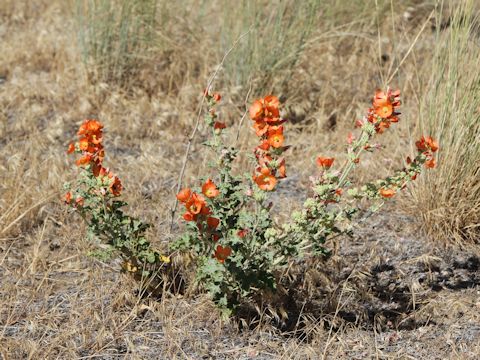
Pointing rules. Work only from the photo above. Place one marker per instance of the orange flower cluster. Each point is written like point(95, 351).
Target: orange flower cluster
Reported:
point(68, 200)
point(198, 211)
point(325, 162)
point(268, 127)
point(384, 109)
point(90, 146)
point(428, 146)
point(222, 253)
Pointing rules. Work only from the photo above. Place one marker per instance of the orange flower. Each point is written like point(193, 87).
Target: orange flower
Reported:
point(265, 181)
point(381, 126)
point(380, 98)
point(217, 97)
point(79, 201)
point(95, 138)
point(84, 160)
point(387, 193)
point(91, 132)
point(90, 127)
point(325, 162)
point(184, 195)
point(205, 210)
point(260, 127)
point(384, 106)
point(268, 126)
point(83, 144)
point(265, 145)
point(271, 102)
point(242, 233)
point(115, 186)
point(209, 189)
point(384, 111)
point(71, 148)
point(213, 222)
point(222, 253)
point(430, 163)
point(104, 172)
point(219, 125)
point(389, 98)
point(256, 110)
point(275, 137)
point(427, 143)
point(100, 154)
point(195, 204)
point(68, 197)
point(271, 105)
point(188, 216)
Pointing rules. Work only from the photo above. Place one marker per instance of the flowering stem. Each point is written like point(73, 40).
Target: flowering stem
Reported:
point(197, 123)
point(359, 147)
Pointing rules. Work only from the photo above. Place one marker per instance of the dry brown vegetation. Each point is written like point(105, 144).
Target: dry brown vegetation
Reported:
point(390, 292)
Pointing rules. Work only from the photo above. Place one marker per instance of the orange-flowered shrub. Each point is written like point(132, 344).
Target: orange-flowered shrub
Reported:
point(335, 202)
point(238, 248)
point(95, 197)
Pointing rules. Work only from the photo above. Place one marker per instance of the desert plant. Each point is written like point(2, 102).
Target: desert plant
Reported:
point(237, 247)
point(239, 250)
point(115, 36)
point(230, 215)
point(451, 112)
point(95, 197)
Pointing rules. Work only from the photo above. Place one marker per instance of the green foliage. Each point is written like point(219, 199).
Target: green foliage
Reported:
point(243, 228)
point(254, 250)
point(107, 222)
point(329, 212)
point(238, 249)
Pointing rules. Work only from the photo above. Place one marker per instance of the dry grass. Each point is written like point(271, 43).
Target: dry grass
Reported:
point(115, 37)
point(57, 303)
point(451, 113)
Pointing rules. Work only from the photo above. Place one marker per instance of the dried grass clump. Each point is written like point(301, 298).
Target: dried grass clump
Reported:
point(449, 198)
point(276, 33)
point(122, 40)
point(115, 36)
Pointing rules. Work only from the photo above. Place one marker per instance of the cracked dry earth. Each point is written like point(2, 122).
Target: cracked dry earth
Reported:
point(385, 294)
